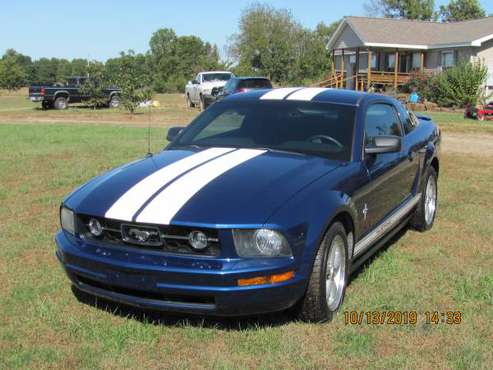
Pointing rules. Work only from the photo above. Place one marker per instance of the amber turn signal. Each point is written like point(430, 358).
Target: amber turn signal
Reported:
point(270, 279)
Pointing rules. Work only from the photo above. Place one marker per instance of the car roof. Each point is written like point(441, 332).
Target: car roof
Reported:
point(314, 94)
point(212, 72)
point(250, 78)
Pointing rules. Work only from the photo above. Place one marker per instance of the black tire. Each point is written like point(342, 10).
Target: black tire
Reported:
point(420, 221)
point(314, 307)
point(114, 101)
point(61, 103)
point(189, 102)
point(202, 104)
point(46, 104)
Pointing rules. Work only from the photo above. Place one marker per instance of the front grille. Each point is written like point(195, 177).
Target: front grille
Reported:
point(174, 239)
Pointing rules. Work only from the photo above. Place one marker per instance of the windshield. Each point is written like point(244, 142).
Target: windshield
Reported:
point(208, 77)
point(258, 83)
point(320, 129)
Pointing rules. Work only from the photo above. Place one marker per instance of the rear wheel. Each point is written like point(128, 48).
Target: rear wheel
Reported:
point(328, 281)
point(202, 104)
point(427, 207)
point(189, 102)
point(114, 101)
point(61, 103)
point(46, 104)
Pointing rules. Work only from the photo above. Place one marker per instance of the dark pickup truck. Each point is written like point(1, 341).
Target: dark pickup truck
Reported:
point(58, 96)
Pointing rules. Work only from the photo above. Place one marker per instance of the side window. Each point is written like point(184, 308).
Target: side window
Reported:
point(406, 118)
point(381, 120)
point(228, 88)
point(227, 121)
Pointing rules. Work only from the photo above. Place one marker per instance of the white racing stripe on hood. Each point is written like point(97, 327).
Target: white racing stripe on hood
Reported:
point(166, 205)
point(278, 94)
point(306, 94)
point(130, 202)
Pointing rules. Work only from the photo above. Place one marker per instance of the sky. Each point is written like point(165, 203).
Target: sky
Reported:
point(101, 29)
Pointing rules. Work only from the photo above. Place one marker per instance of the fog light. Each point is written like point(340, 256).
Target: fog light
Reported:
point(197, 239)
point(95, 227)
point(270, 279)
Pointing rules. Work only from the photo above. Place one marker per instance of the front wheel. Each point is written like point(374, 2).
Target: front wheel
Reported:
point(328, 281)
point(428, 204)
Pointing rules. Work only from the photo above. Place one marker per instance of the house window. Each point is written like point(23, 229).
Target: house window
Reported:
point(391, 61)
point(352, 59)
point(416, 63)
point(374, 61)
point(448, 59)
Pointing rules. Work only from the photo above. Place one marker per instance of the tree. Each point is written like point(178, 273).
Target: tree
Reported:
point(174, 59)
point(409, 9)
point(94, 86)
point(162, 56)
point(78, 67)
point(461, 10)
point(133, 84)
point(267, 42)
point(12, 75)
point(271, 42)
point(63, 70)
point(23, 61)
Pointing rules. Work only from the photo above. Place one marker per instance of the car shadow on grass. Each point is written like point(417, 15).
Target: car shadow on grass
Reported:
point(228, 324)
point(387, 245)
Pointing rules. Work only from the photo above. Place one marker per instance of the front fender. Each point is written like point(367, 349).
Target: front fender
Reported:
point(310, 212)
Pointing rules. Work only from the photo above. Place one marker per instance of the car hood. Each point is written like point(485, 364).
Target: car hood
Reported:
point(214, 187)
point(211, 84)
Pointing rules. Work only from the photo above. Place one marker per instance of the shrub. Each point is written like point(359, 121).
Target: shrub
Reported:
point(459, 86)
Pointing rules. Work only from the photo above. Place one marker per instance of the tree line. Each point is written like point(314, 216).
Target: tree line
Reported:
point(425, 10)
point(269, 42)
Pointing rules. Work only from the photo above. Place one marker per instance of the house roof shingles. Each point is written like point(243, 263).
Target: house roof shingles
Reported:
point(411, 32)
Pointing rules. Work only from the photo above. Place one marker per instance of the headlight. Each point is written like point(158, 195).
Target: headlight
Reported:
point(260, 243)
point(67, 220)
point(206, 91)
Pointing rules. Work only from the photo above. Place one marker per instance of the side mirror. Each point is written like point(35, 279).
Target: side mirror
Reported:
point(384, 144)
point(195, 82)
point(173, 132)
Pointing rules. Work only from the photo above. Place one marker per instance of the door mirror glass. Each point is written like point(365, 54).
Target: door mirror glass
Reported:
point(384, 144)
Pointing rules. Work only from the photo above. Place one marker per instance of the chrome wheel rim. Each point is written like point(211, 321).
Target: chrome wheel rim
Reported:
point(335, 271)
point(430, 200)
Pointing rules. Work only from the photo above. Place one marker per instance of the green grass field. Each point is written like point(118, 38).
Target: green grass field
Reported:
point(43, 325)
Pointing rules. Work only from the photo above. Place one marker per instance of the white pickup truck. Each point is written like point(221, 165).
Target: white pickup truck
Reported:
point(199, 90)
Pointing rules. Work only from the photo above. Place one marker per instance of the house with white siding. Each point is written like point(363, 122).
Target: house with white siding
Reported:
point(385, 51)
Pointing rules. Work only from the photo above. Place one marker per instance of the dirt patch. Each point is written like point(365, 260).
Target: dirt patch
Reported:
point(468, 144)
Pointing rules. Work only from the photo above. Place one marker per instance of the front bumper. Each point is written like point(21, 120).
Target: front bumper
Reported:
point(168, 282)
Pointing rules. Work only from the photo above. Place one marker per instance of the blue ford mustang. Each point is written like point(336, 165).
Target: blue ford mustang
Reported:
point(267, 201)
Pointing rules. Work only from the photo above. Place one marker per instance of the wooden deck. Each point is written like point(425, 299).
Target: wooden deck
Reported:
point(363, 80)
